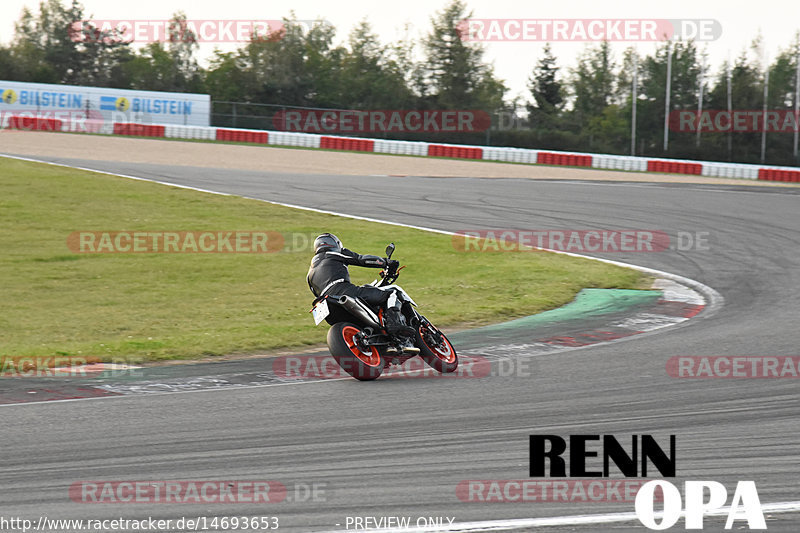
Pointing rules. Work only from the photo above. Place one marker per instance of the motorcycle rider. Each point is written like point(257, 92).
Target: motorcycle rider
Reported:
point(328, 275)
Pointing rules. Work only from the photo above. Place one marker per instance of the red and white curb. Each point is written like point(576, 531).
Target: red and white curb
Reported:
point(414, 148)
point(679, 304)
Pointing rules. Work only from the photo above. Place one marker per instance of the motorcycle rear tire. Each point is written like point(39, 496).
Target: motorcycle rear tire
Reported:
point(362, 362)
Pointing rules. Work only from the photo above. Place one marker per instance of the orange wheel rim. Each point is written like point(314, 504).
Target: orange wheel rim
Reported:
point(370, 356)
point(443, 351)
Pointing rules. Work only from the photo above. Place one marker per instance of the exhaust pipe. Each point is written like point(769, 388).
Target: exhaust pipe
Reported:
point(359, 310)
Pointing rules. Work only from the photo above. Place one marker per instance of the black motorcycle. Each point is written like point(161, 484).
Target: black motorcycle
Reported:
point(358, 339)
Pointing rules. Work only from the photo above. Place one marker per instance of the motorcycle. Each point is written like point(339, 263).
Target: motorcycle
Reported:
point(358, 339)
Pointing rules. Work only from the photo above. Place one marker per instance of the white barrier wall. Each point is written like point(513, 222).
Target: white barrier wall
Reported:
point(400, 147)
point(284, 138)
point(68, 102)
point(190, 132)
point(730, 170)
point(619, 162)
point(510, 155)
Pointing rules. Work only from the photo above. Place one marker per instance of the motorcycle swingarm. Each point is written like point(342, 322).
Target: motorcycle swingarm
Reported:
point(377, 340)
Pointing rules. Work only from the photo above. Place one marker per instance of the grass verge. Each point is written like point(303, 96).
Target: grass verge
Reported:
point(152, 306)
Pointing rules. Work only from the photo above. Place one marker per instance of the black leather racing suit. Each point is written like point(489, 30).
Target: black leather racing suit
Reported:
point(328, 275)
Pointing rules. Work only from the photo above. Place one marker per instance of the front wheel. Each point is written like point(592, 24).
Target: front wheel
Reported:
point(435, 349)
point(346, 344)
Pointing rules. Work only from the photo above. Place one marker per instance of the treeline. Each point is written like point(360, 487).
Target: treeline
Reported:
point(585, 107)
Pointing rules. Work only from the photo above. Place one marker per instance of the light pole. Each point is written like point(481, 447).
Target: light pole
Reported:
point(700, 101)
point(730, 114)
point(764, 115)
point(796, 109)
point(666, 101)
point(635, 97)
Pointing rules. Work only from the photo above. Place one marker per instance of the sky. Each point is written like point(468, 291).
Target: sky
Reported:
point(776, 21)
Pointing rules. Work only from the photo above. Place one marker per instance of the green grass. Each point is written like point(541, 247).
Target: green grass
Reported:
point(173, 306)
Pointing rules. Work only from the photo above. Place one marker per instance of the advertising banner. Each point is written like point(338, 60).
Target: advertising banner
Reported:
point(70, 103)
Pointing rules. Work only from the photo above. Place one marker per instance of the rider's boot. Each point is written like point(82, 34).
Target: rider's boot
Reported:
point(395, 323)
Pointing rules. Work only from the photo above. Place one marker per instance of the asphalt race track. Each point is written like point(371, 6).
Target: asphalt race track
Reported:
point(399, 447)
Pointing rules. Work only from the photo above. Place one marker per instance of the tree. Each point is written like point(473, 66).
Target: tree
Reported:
point(592, 87)
point(746, 95)
point(401, 53)
point(546, 91)
point(167, 66)
point(58, 46)
point(593, 83)
point(782, 87)
point(456, 73)
point(683, 94)
point(610, 130)
point(631, 67)
point(8, 68)
point(228, 79)
point(290, 66)
point(370, 78)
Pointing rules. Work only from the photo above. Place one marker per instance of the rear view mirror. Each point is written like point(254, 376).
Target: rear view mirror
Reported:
point(390, 250)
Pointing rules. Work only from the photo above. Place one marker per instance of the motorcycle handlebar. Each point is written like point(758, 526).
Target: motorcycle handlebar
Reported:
point(389, 275)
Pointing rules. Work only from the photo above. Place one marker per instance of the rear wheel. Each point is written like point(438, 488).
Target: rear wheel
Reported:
point(435, 349)
point(346, 344)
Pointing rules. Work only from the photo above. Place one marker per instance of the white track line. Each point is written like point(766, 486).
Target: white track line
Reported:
point(574, 520)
